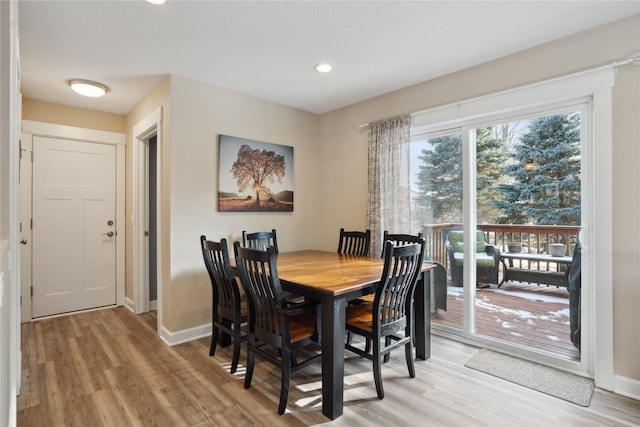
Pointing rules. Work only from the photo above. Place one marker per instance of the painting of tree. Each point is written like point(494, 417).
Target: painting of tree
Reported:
point(254, 176)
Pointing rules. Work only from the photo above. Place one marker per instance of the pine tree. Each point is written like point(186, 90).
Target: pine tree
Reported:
point(545, 173)
point(439, 180)
point(490, 159)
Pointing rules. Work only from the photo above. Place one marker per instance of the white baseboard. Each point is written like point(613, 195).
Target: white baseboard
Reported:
point(128, 302)
point(626, 387)
point(153, 305)
point(185, 335)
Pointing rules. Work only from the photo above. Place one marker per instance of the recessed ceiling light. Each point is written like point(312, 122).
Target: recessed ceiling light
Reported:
point(323, 68)
point(156, 1)
point(88, 88)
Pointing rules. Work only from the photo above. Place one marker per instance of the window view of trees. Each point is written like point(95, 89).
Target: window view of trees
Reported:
point(528, 172)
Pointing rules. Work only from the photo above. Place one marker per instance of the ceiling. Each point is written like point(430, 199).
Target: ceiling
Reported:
point(268, 49)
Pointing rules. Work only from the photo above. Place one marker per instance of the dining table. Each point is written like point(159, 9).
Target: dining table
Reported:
point(334, 279)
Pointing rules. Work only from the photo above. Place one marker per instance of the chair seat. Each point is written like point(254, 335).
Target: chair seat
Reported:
point(361, 316)
point(302, 326)
point(482, 259)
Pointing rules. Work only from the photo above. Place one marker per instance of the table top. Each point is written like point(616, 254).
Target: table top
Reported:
point(330, 272)
point(536, 257)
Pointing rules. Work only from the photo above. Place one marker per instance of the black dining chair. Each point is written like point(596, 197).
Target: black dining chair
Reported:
point(277, 328)
point(387, 322)
point(260, 240)
point(229, 308)
point(354, 242)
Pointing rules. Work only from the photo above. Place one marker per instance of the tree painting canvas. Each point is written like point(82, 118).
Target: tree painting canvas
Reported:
point(254, 176)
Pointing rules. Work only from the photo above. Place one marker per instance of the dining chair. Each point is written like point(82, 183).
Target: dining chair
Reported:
point(228, 307)
point(354, 242)
point(277, 328)
point(260, 240)
point(383, 321)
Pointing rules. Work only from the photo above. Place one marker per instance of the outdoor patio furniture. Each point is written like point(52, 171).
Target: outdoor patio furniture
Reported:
point(487, 257)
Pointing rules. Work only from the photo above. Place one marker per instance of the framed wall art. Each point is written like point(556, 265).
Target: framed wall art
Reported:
point(254, 176)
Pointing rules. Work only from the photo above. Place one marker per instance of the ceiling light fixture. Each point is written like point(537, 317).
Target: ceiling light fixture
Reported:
point(156, 1)
point(323, 68)
point(88, 88)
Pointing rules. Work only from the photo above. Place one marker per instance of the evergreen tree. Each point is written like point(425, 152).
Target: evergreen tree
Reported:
point(439, 180)
point(490, 159)
point(545, 173)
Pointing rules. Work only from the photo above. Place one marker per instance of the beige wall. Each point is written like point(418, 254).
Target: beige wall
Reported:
point(344, 150)
point(199, 113)
point(160, 96)
point(47, 112)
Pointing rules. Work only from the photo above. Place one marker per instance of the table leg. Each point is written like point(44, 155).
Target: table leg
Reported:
point(333, 318)
point(422, 316)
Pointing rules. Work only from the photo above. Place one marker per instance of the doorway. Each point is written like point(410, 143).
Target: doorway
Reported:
point(147, 197)
point(76, 178)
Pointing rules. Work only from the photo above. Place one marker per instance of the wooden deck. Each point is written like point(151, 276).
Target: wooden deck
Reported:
point(530, 315)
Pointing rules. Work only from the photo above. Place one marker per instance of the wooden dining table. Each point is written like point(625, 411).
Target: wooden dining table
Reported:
point(334, 279)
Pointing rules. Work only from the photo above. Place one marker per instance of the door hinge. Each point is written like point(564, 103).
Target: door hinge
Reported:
point(32, 291)
point(31, 223)
point(32, 155)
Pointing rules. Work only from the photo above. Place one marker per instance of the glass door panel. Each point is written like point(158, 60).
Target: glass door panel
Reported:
point(437, 209)
point(528, 205)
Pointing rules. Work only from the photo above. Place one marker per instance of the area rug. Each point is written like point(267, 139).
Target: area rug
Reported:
point(554, 382)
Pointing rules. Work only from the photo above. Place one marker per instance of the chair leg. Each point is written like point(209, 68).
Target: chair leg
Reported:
point(367, 345)
point(387, 343)
point(236, 347)
point(251, 357)
point(408, 352)
point(286, 377)
point(215, 334)
point(377, 369)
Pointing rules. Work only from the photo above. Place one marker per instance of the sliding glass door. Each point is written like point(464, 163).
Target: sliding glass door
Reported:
point(500, 195)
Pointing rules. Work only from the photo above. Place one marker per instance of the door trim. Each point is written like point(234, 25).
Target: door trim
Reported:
point(32, 128)
point(150, 126)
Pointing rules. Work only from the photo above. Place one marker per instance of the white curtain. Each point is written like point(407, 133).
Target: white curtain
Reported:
point(389, 180)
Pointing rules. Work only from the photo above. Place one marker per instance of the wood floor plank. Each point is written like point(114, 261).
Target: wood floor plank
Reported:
point(95, 375)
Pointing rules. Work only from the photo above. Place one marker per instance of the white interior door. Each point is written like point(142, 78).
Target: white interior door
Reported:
point(74, 232)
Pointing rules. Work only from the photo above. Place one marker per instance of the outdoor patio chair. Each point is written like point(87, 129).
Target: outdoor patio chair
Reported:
point(487, 258)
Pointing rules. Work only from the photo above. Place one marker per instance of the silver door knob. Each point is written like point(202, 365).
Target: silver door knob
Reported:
point(109, 234)
point(23, 241)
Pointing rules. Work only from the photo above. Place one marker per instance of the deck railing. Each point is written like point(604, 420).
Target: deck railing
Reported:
point(533, 238)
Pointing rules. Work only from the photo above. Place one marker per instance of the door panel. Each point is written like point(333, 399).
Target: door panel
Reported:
point(73, 202)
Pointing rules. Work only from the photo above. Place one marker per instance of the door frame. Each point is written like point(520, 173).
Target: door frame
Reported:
point(148, 127)
point(595, 84)
point(33, 128)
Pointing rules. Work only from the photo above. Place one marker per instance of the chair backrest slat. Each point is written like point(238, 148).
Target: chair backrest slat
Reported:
point(259, 277)
point(399, 277)
point(260, 240)
point(216, 259)
point(354, 242)
point(399, 239)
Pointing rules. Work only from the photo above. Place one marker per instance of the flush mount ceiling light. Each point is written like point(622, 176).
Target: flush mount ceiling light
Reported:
point(88, 88)
point(156, 1)
point(323, 68)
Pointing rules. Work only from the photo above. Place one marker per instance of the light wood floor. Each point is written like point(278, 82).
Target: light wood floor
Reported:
point(108, 368)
